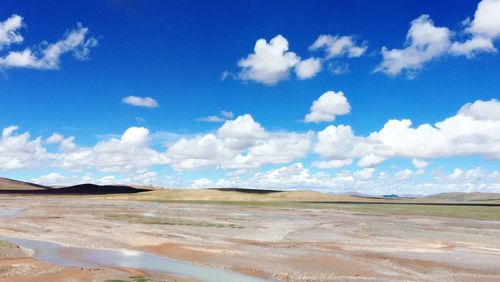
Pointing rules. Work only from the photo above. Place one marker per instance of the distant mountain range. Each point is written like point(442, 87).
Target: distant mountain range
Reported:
point(459, 197)
point(10, 186)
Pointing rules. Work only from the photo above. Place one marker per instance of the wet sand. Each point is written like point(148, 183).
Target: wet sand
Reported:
point(272, 242)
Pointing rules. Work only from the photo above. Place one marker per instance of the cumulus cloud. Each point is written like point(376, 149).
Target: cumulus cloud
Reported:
point(9, 31)
point(47, 55)
point(337, 46)
point(419, 163)
point(473, 46)
point(338, 144)
point(129, 152)
point(241, 132)
point(199, 152)
point(142, 177)
point(52, 178)
point(241, 143)
point(308, 68)
point(146, 102)
point(281, 148)
point(328, 106)
point(466, 133)
point(18, 151)
point(272, 62)
point(424, 42)
point(484, 29)
point(486, 21)
point(457, 135)
point(482, 110)
point(55, 138)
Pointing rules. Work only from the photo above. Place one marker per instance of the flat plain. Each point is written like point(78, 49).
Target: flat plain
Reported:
point(285, 236)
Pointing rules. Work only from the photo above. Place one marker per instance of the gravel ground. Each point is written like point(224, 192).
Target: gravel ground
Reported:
point(288, 244)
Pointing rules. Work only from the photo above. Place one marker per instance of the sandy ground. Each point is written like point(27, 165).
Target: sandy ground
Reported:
point(287, 244)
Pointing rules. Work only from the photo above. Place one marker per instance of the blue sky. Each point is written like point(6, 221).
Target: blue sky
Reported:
point(363, 64)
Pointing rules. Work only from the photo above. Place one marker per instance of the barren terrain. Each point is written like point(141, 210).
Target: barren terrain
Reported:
point(274, 240)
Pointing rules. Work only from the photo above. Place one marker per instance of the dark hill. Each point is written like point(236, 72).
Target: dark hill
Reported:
point(246, 190)
point(18, 187)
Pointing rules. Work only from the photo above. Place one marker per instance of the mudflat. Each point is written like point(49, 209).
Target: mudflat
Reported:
point(274, 241)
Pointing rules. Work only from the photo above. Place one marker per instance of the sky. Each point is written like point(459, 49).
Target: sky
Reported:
point(376, 97)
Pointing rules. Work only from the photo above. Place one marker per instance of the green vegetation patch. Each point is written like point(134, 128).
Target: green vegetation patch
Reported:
point(410, 209)
point(172, 221)
point(4, 245)
point(464, 212)
point(133, 279)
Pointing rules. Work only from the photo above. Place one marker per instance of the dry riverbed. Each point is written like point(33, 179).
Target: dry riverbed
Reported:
point(276, 242)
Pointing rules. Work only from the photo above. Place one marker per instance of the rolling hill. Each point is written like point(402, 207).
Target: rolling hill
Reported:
point(10, 186)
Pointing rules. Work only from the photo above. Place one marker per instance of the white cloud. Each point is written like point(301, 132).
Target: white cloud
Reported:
point(201, 183)
point(108, 180)
point(486, 20)
point(337, 46)
point(466, 133)
point(281, 148)
point(308, 68)
point(404, 174)
point(224, 115)
point(483, 30)
point(368, 181)
point(482, 110)
point(49, 179)
point(455, 136)
point(335, 142)
point(332, 163)
point(9, 31)
point(241, 143)
point(328, 106)
point(338, 68)
point(142, 177)
point(370, 160)
point(364, 174)
point(211, 119)
point(199, 152)
point(129, 152)
point(227, 114)
point(241, 132)
point(55, 138)
point(146, 102)
point(338, 143)
point(295, 176)
point(424, 42)
point(18, 151)
point(472, 46)
point(419, 163)
point(270, 62)
point(67, 144)
point(47, 56)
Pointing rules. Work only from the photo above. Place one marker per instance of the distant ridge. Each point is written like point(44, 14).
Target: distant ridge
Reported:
point(246, 190)
point(458, 196)
point(10, 186)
